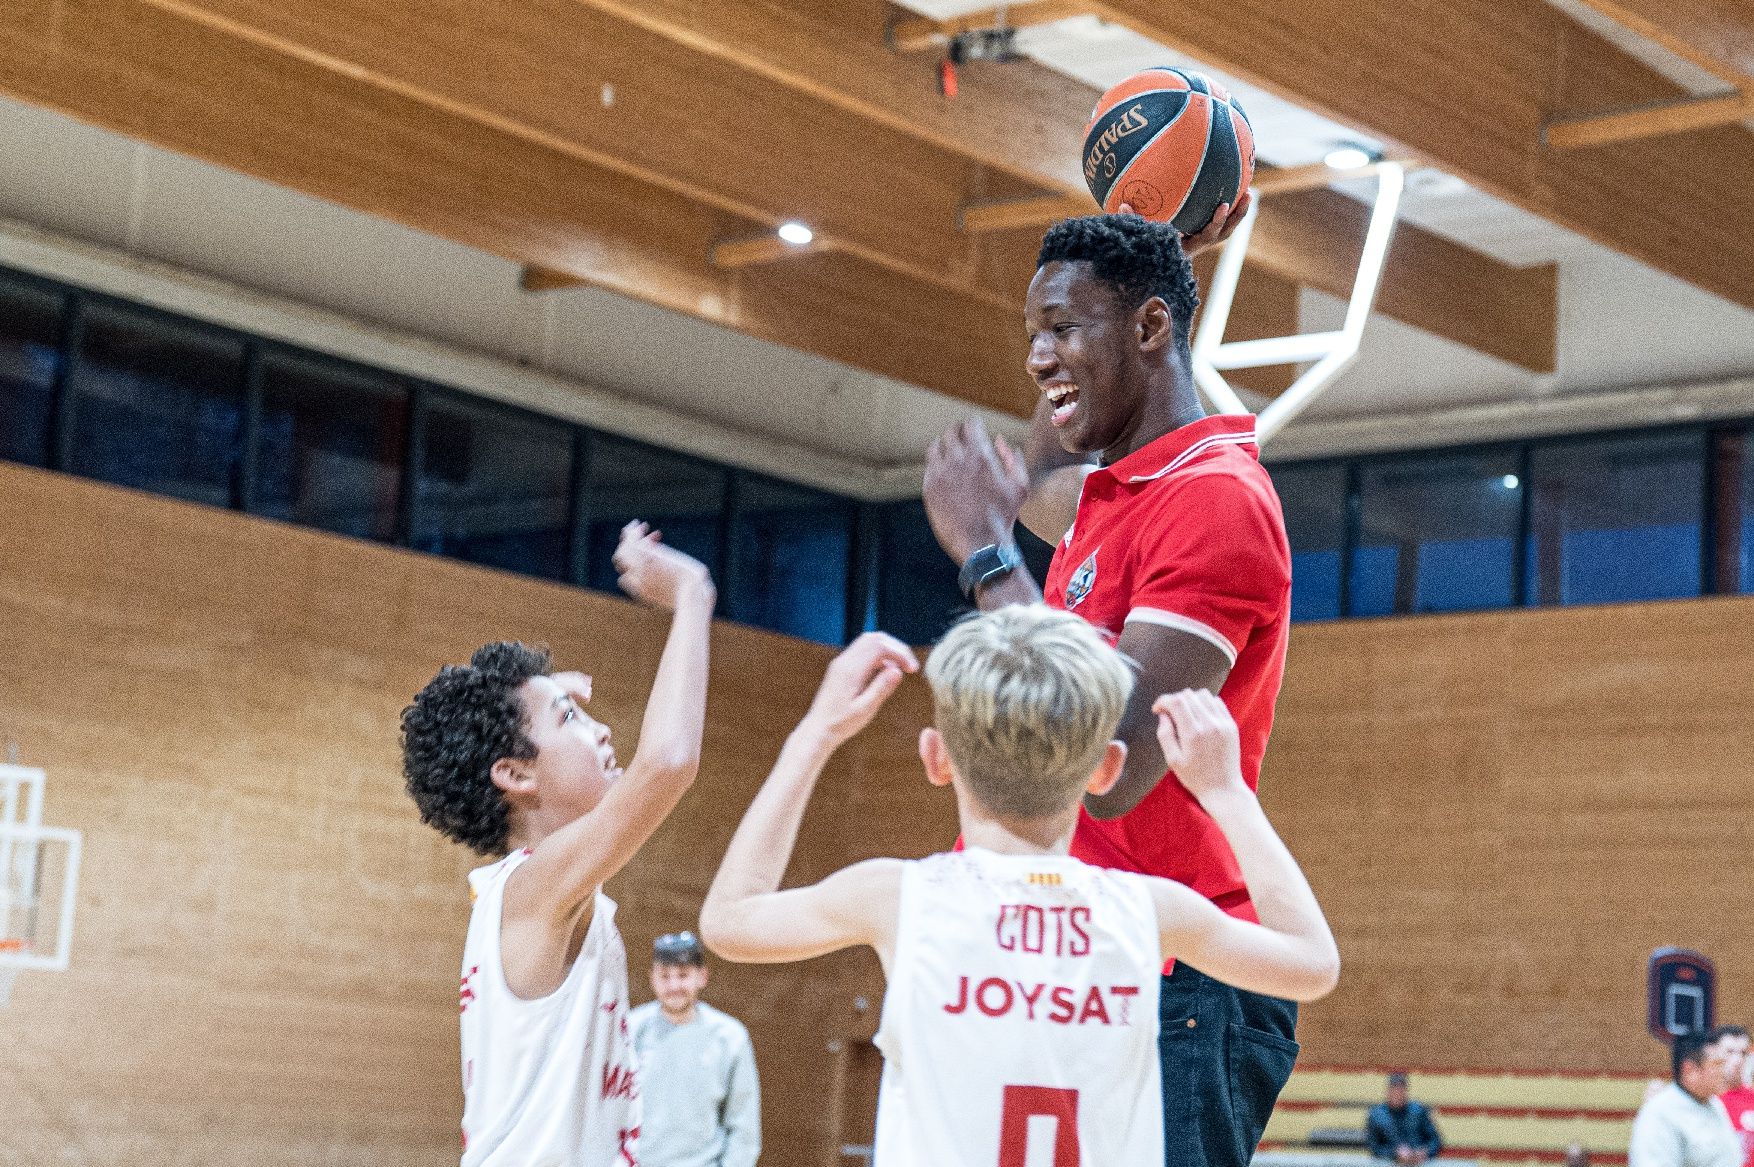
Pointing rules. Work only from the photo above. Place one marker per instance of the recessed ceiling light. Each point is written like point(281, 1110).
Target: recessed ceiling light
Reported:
point(796, 233)
point(1348, 157)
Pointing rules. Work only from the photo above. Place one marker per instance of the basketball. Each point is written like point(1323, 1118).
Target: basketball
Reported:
point(1172, 144)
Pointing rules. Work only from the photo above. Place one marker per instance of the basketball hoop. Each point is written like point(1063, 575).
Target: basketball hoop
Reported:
point(10, 945)
point(1331, 351)
point(39, 869)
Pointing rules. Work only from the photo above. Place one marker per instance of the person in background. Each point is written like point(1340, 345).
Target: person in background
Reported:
point(1684, 1124)
point(1400, 1130)
point(697, 1068)
point(1739, 1099)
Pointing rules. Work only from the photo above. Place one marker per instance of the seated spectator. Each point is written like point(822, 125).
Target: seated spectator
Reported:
point(1684, 1124)
point(1400, 1130)
point(696, 1069)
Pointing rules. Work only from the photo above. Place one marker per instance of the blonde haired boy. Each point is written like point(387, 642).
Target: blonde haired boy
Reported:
point(1020, 1023)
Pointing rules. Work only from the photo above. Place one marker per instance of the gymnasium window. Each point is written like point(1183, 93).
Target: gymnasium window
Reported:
point(99, 387)
point(330, 452)
point(157, 404)
point(1436, 533)
point(1615, 519)
point(790, 558)
point(1313, 495)
point(1730, 482)
point(917, 596)
point(683, 497)
point(495, 486)
point(30, 359)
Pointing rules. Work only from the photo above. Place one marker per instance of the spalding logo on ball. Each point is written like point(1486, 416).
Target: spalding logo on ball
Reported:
point(1170, 143)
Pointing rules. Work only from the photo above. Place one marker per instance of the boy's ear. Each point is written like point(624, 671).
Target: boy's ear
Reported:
point(936, 757)
point(511, 777)
point(1108, 771)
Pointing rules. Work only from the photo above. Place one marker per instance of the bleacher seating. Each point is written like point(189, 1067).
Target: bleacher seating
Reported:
point(1502, 1118)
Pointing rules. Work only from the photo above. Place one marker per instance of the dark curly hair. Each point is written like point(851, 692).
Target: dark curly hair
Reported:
point(466, 719)
point(1135, 257)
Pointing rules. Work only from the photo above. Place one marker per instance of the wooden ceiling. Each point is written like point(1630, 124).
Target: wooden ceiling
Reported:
point(651, 148)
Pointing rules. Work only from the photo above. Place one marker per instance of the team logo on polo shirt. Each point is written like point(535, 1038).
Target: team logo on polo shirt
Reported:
point(1081, 582)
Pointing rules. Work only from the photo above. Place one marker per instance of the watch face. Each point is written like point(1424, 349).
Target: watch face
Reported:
point(986, 565)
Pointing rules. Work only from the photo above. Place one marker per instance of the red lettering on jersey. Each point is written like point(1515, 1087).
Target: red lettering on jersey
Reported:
point(466, 992)
point(626, 1138)
point(1080, 945)
point(1034, 915)
point(1039, 1001)
point(981, 995)
point(1021, 1103)
point(619, 1082)
point(1039, 931)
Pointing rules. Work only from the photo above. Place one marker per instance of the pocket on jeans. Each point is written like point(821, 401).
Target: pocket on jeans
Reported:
point(1259, 1066)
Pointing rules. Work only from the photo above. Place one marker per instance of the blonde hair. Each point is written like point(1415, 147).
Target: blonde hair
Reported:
point(1027, 699)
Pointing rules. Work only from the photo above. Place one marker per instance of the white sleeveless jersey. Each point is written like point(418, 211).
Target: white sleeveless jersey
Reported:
point(549, 1082)
point(1020, 1024)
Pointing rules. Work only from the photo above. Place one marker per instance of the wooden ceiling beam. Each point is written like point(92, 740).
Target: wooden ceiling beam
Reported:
point(752, 250)
point(1714, 35)
point(792, 167)
point(917, 33)
point(1267, 305)
point(1507, 312)
point(687, 122)
point(1471, 94)
point(1002, 119)
point(836, 52)
point(1040, 210)
point(142, 72)
point(1672, 117)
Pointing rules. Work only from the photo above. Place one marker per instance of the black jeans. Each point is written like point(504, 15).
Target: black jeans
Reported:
point(1226, 1054)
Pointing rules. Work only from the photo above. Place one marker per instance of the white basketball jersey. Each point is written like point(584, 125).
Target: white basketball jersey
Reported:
point(549, 1082)
point(1020, 1024)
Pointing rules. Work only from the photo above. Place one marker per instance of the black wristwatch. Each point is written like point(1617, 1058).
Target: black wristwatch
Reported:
point(993, 562)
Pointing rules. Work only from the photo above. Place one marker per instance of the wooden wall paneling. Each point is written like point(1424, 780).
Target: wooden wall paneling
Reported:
point(1504, 813)
point(173, 82)
point(265, 960)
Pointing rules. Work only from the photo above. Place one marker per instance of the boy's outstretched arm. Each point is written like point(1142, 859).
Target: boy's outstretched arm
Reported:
point(745, 918)
point(562, 876)
point(1290, 953)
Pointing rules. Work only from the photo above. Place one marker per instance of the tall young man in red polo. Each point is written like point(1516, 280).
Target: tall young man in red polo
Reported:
point(1174, 544)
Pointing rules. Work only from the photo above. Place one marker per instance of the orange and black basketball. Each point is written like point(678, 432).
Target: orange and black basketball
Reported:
point(1170, 143)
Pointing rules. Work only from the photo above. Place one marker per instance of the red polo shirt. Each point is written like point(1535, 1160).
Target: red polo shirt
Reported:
point(1186, 533)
